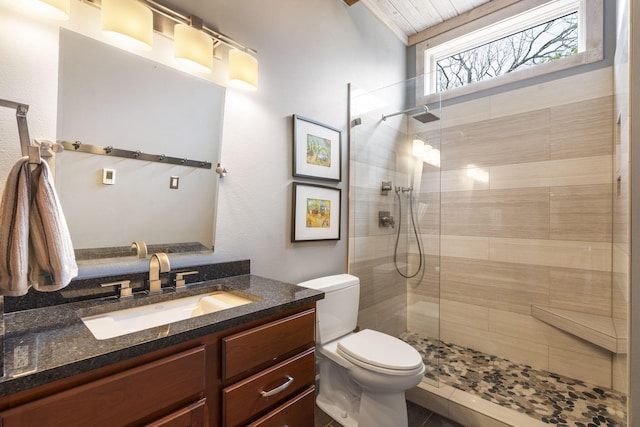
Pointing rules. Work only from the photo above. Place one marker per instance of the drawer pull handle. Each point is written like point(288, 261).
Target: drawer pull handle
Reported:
point(278, 389)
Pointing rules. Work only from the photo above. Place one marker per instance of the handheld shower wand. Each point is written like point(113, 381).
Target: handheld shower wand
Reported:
point(415, 232)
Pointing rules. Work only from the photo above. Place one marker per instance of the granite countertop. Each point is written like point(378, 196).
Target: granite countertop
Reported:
point(46, 344)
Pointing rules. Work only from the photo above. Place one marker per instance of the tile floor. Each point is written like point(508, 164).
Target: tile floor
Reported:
point(418, 417)
point(548, 397)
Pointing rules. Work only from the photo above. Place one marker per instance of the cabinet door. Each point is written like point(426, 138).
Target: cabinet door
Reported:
point(298, 412)
point(129, 397)
point(191, 416)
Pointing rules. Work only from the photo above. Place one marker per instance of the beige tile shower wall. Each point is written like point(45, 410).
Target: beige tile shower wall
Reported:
point(527, 219)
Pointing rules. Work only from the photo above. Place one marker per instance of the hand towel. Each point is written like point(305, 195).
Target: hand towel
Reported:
point(53, 263)
point(14, 231)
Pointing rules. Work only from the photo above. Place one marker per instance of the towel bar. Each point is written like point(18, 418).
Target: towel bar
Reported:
point(131, 154)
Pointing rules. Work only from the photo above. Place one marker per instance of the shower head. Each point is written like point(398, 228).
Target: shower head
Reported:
point(421, 113)
point(426, 117)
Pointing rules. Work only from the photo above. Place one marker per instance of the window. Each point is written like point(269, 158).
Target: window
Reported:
point(552, 36)
point(546, 42)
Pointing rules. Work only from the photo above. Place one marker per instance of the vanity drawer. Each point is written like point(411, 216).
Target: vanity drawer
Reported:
point(298, 412)
point(244, 399)
point(147, 391)
point(258, 346)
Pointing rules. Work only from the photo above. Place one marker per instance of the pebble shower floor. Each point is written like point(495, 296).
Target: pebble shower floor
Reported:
point(548, 397)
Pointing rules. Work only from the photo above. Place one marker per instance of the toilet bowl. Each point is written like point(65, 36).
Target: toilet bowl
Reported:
point(362, 375)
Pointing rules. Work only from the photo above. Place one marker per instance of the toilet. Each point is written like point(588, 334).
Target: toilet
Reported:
point(362, 375)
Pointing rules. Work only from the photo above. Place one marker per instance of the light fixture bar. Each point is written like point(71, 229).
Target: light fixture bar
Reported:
point(227, 40)
point(169, 13)
point(180, 18)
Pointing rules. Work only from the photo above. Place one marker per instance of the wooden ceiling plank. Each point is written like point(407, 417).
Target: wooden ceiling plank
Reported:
point(445, 9)
point(462, 19)
point(402, 9)
point(462, 6)
point(401, 29)
point(430, 15)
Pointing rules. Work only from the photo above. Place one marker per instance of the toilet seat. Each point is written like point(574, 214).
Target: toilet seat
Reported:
point(380, 352)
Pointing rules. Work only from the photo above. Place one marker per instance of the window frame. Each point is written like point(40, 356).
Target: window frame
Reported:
point(590, 46)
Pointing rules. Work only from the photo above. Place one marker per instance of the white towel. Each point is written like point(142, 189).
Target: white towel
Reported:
point(53, 263)
point(14, 231)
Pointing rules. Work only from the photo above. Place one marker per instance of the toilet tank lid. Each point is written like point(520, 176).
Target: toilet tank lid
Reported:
point(329, 283)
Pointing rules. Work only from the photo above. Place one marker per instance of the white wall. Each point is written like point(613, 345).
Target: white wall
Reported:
point(308, 51)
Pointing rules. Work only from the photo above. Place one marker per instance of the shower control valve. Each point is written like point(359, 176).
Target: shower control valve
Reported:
point(385, 219)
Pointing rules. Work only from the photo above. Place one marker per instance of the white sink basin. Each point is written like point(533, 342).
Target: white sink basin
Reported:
point(122, 322)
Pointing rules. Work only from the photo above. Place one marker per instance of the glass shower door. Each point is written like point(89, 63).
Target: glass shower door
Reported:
point(394, 212)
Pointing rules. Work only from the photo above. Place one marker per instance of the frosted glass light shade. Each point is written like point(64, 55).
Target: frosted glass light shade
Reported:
point(243, 70)
point(193, 48)
point(128, 22)
point(53, 9)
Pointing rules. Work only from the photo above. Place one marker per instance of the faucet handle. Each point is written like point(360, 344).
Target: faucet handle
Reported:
point(180, 282)
point(124, 287)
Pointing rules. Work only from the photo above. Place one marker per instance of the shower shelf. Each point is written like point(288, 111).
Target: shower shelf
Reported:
point(603, 331)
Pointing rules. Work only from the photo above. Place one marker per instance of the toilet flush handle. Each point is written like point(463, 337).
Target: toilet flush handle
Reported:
point(278, 389)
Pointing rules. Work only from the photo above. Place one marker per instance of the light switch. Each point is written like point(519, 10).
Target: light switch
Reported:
point(174, 181)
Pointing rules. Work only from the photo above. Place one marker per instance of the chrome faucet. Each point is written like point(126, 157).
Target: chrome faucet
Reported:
point(158, 263)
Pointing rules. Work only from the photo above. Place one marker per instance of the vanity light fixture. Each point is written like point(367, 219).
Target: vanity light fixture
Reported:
point(243, 70)
point(192, 48)
point(132, 23)
point(53, 9)
point(128, 23)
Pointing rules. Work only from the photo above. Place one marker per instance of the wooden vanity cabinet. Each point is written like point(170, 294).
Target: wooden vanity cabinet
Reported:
point(192, 384)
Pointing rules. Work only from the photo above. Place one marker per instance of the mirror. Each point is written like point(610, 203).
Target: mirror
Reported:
point(110, 97)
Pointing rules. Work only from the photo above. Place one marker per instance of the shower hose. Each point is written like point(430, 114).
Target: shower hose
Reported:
point(415, 233)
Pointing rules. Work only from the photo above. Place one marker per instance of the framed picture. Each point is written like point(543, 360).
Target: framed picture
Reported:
point(317, 150)
point(316, 213)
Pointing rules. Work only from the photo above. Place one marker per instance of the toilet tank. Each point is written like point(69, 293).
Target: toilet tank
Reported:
point(337, 313)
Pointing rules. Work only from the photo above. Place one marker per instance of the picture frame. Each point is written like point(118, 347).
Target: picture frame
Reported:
point(316, 212)
point(317, 150)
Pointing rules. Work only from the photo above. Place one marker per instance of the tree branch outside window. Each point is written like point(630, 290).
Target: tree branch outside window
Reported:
point(543, 43)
